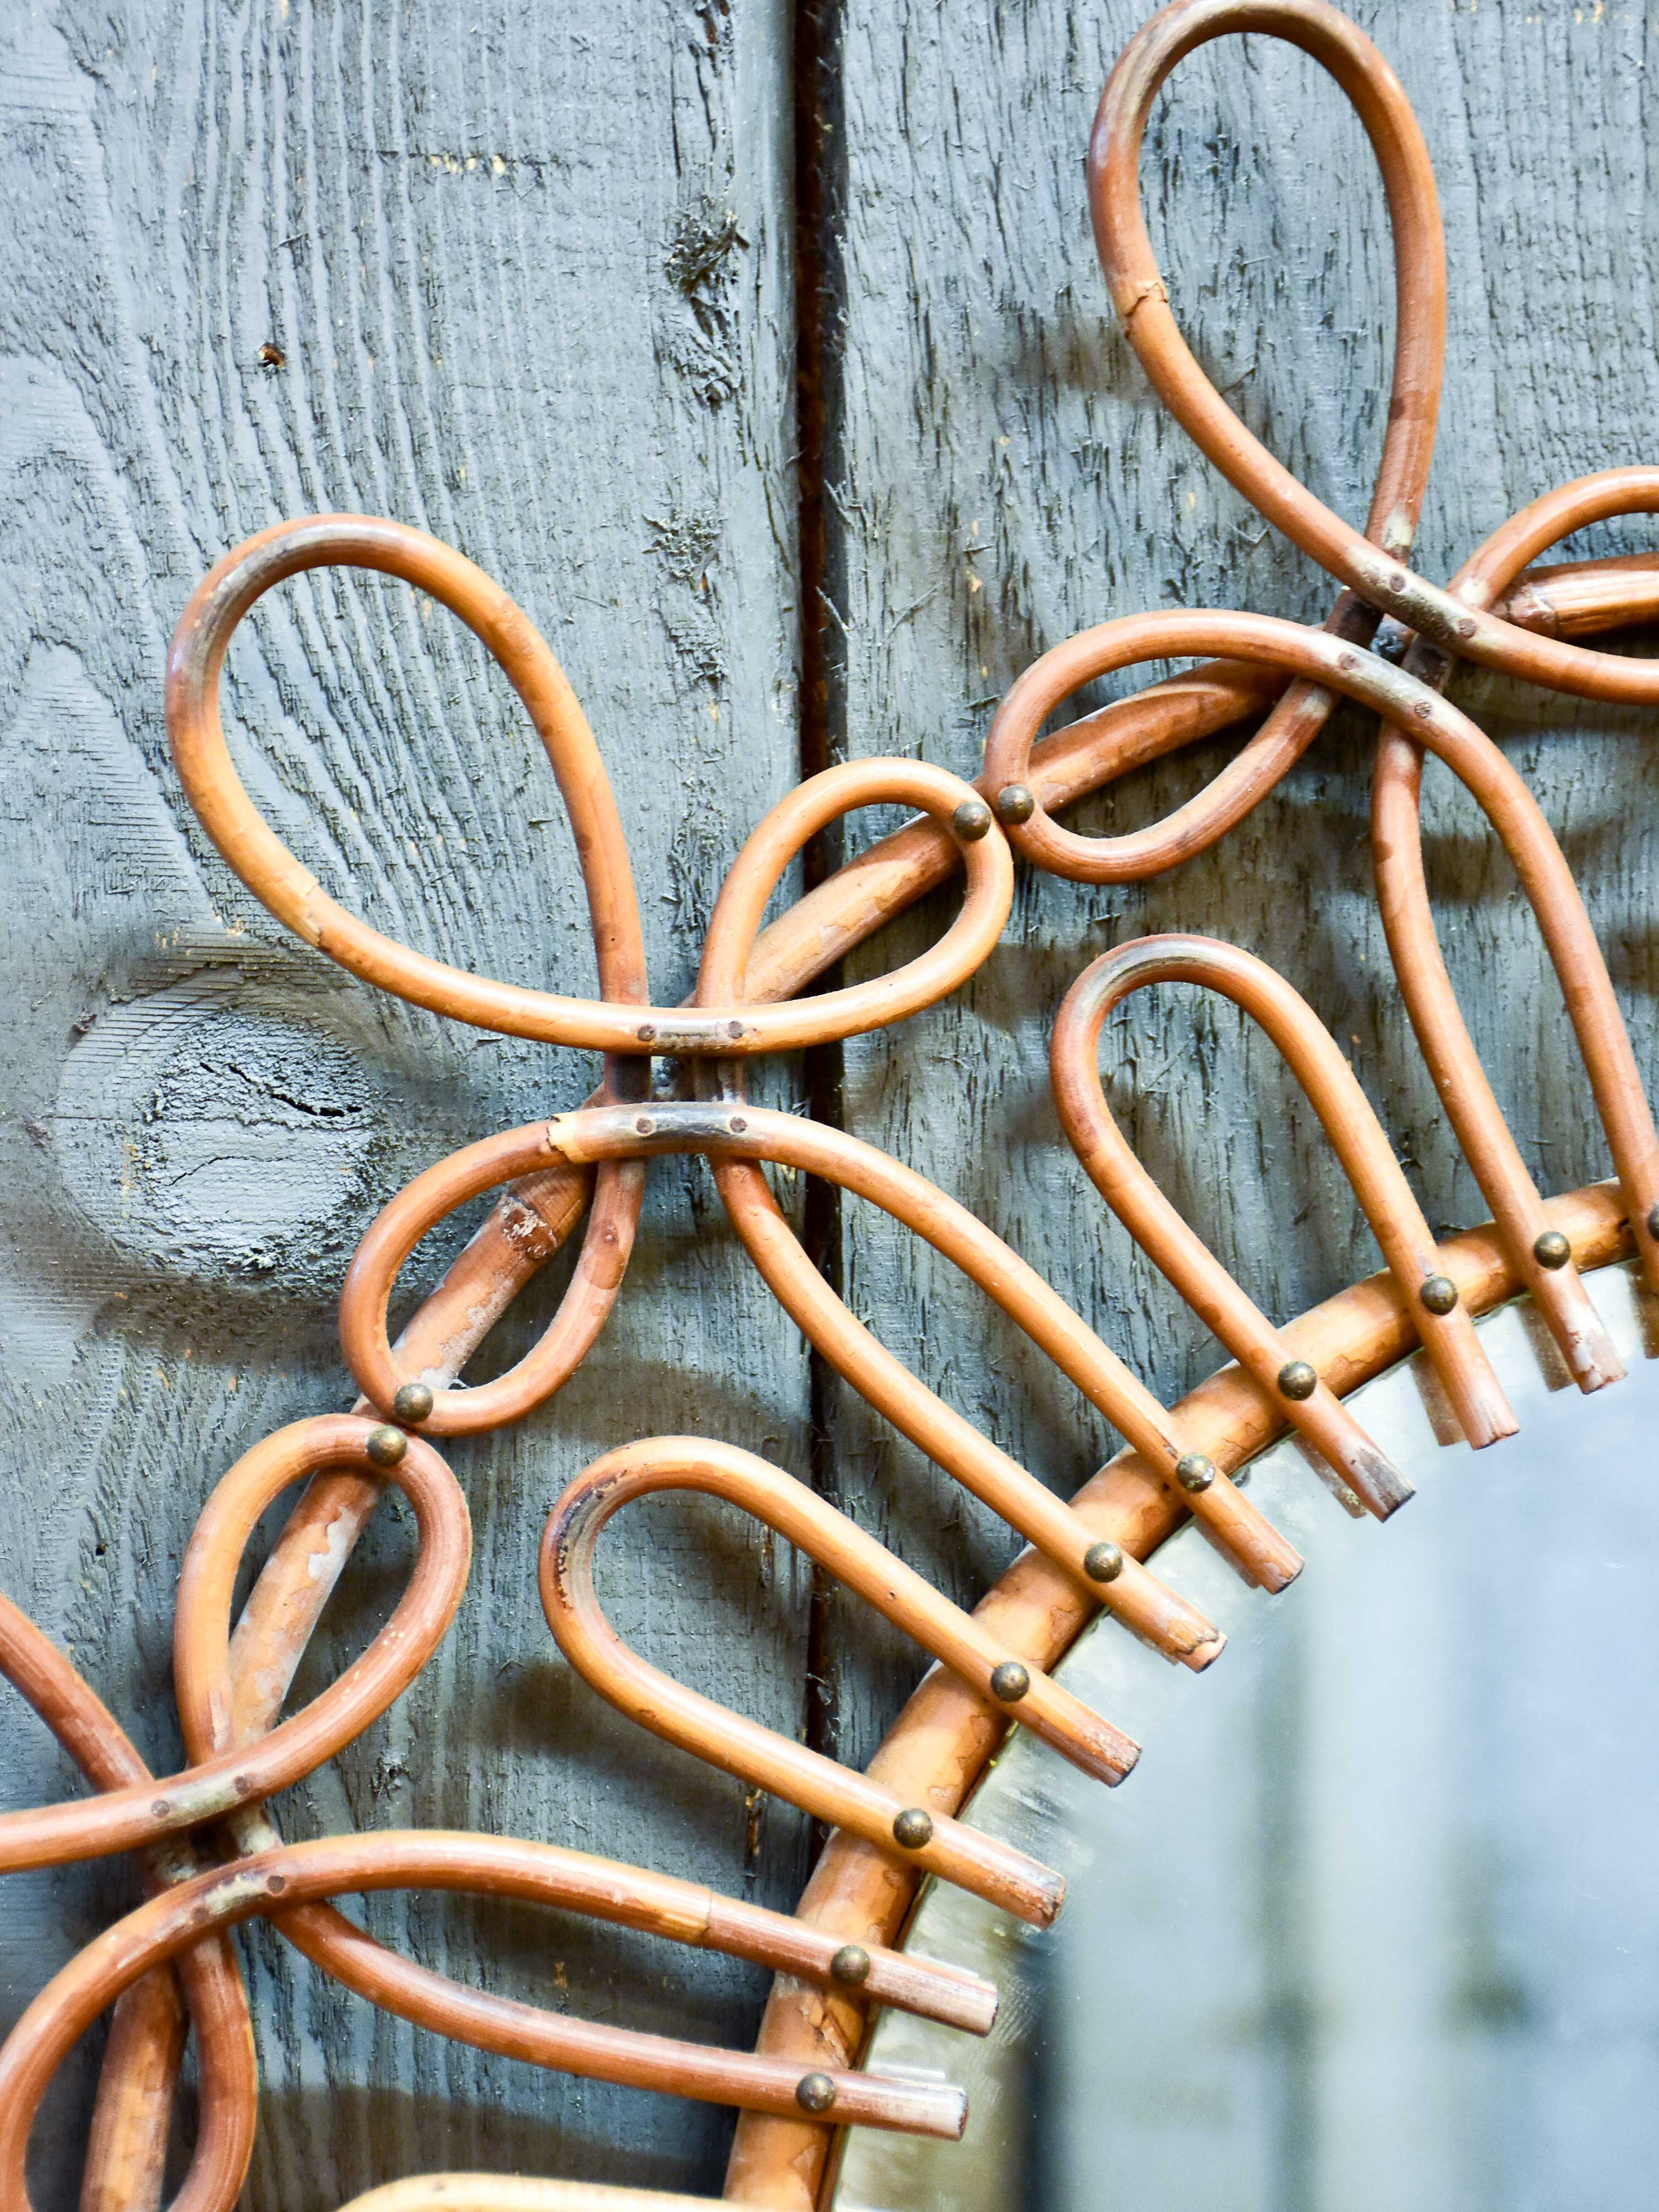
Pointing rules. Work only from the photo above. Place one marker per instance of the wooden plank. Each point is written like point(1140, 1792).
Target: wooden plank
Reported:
point(526, 271)
point(529, 276)
point(1004, 477)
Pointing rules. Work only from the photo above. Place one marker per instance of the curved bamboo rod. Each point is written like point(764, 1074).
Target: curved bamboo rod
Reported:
point(834, 1794)
point(141, 1812)
point(600, 1133)
point(1377, 573)
point(1408, 920)
point(516, 2192)
point(743, 898)
point(293, 894)
point(1255, 1547)
point(943, 1738)
point(180, 1917)
point(232, 1689)
point(1445, 1330)
point(133, 2116)
point(1401, 699)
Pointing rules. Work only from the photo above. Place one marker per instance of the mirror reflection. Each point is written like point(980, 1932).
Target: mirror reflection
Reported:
point(1374, 1924)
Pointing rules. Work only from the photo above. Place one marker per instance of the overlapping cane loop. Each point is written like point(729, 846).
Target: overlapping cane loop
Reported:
point(209, 1850)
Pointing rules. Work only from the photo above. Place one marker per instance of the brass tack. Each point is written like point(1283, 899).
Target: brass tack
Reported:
point(1552, 1249)
point(1439, 1293)
point(851, 1965)
point(1103, 1562)
point(1009, 1682)
point(1015, 804)
point(971, 820)
point(413, 1402)
point(1193, 1472)
point(1297, 1380)
point(815, 2092)
point(387, 1446)
point(913, 1828)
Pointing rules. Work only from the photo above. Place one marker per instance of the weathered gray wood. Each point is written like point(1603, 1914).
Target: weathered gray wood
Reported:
point(1005, 479)
point(530, 271)
point(527, 270)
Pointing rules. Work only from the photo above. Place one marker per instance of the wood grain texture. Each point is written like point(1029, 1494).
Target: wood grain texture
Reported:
point(529, 271)
point(1004, 478)
point(525, 271)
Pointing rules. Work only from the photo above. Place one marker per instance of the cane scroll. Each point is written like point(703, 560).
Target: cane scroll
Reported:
point(673, 1082)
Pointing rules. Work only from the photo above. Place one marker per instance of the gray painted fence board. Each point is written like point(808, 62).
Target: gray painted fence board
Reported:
point(1008, 479)
point(531, 273)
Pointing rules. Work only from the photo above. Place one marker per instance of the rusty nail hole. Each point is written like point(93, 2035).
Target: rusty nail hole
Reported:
point(271, 354)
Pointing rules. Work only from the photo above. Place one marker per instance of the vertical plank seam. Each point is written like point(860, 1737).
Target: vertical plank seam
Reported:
point(819, 188)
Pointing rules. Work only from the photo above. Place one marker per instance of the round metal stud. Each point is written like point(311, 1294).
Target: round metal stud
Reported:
point(1296, 1381)
point(1015, 804)
point(1193, 1472)
point(913, 1828)
point(413, 1402)
point(1653, 1223)
point(971, 820)
point(1009, 1682)
point(1552, 1249)
point(1439, 1293)
point(815, 2092)
point(387, 1446)
point(850, 1966)
point(1103, 1562)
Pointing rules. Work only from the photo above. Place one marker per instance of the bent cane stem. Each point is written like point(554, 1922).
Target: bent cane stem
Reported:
point(1443, 1328)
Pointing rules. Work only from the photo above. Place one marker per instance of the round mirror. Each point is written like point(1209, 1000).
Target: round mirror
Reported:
point(1374, 1924)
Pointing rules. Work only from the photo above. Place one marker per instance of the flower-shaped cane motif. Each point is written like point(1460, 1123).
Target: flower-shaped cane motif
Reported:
point(1391, 644)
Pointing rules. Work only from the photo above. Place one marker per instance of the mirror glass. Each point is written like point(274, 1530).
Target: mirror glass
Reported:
point(1374, 1924)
